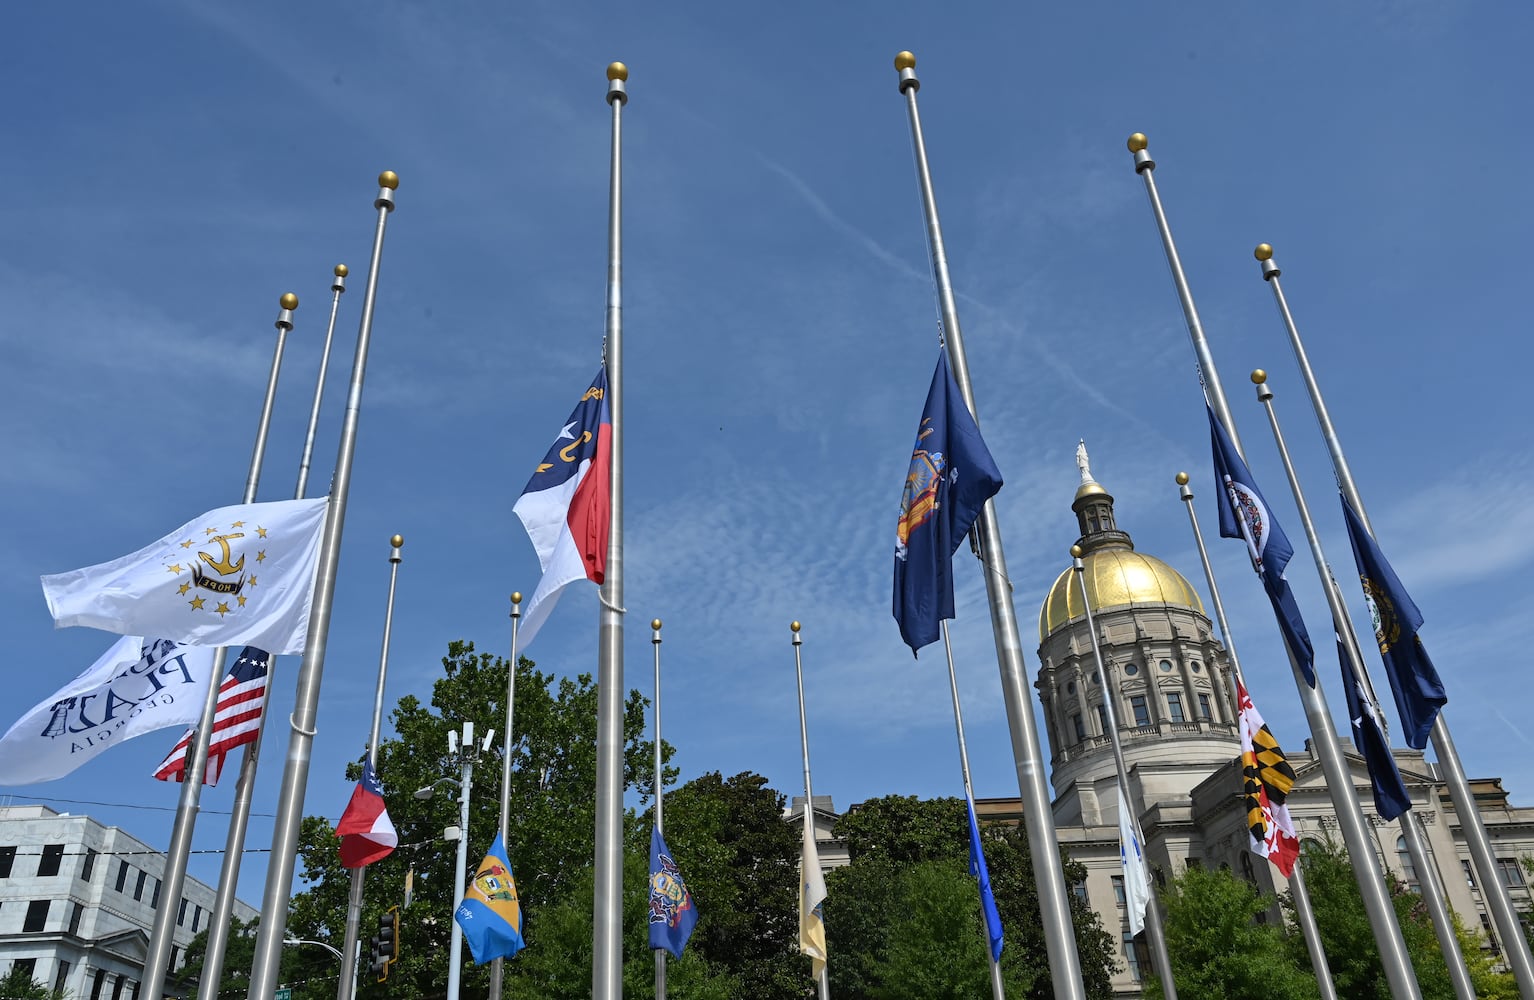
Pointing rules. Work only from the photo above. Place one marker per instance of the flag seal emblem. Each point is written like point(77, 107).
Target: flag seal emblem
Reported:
point(496, 884)
point(919, 501)
point(1251, 513)
point(1382, 614)
point(669, 899)
point(212, 571)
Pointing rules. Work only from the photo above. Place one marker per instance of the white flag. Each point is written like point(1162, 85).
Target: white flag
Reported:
point(1136, 875)
point(812, 897)
point(135, 688)
point(236, 576)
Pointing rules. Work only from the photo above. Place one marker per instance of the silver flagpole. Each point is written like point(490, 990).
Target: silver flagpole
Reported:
point(498, 967)
point(1515, 945)
point(1155, 923)
point(997, 990)
point(346, 987)
point(1304, 914)
point(295, 776)
point(1350, 815)
point(1033, 786)
point(660, 953)
point(244, 788)
point(607, 919)
point(822, 983)
point(157, 956)
point(1442, 923)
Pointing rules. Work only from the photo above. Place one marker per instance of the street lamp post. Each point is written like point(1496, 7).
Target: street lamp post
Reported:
point(465, 754)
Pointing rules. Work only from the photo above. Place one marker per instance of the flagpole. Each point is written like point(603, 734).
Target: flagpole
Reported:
point(157, 955)
point(1304, 913)
point(295, 777)
point(1350, 815)
point(1155, 924)
point(1038, 819)
point(1515, 945)
point(997, 990)
point(245, 784)
point(346, 986)
point(498, 967)
point(660, 953)
point(607, 919)
point(822, 982)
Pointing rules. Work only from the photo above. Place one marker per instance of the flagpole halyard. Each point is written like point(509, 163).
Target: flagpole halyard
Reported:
point(295, 778)
point(1304, 913)
point(822, 981)
point(607, 918)
point(157, 955)
point(1515, 944)
point(498, 966)
point(1038, 819)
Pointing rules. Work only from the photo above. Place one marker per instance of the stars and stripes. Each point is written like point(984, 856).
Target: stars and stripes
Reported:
point(238, 722)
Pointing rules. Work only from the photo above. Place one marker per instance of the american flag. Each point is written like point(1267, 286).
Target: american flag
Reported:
point(238, 721)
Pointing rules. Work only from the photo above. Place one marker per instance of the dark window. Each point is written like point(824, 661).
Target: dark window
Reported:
point(1204, 712)
point(117, 987)
point(154, 901)
point(1118, 889)
point(1131, 958)
point(1142, 716)
point(52, 855)
point(37, 915)
point(97, 981)
point(7, 858)
point(1469, 873)
point(181, 913)
point(1491, 936)
point(1174, 707)
point(89, 868)
point(122, 875)
point(76, 911)
point(196, 918)
point(1079, 890)
point(172, 966)
point(27, 965)
point(1408, 870)
point(138, 889)
point(1102, 719)
point(1512, 874)
point(60, 976)
point(1081, 730)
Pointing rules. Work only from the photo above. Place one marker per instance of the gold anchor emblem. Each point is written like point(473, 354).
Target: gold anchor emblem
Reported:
point(222, 566)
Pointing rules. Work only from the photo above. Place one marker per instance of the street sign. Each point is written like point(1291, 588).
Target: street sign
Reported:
point(282, 994)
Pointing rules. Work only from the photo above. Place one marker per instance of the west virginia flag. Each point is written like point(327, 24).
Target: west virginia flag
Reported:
point(490, 914)
point(1266, 779)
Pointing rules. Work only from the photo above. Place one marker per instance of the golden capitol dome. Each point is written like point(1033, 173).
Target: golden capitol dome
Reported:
point(1115, 577)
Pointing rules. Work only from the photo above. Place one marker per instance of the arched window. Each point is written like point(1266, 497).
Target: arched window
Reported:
point(1408, 870)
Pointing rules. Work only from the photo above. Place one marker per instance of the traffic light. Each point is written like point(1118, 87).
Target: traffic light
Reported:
point(388, 940)
point(378, 964)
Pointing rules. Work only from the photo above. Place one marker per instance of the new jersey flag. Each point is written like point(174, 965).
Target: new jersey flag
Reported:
point(1266, 780)
point(1390, 796)
point(812, 897)
point(951, 477)
point(236, 576)
point(490, 914)
point(136, 687)
point(1136, 876)
point(237, 723)
point(1419, 691)
point(672, 912)
point(367, 834)
point(978, 869)
point(1245, 514)
point(566, 506)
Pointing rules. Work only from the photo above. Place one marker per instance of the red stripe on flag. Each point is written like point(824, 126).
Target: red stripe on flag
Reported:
point(590, 517)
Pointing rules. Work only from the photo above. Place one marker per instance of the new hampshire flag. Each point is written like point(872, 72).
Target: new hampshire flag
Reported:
point(490, 915)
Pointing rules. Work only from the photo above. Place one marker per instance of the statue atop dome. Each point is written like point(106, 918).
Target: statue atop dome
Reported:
point(1083, 463)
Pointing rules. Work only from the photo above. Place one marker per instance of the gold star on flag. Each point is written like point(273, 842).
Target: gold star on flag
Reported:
point(196, 603)
point(222, 609)
point(260, 531)
point(241, 599)
point(186, 544)
point(237, 524)
point(261, 556)
point(173, 569)
point(210, 531)
point(184, 588)
point(252, 580)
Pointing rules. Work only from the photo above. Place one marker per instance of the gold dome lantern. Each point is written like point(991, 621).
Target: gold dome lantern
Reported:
point(1115, 577)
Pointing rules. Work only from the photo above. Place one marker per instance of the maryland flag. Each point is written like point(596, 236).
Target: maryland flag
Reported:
point(1266, 780)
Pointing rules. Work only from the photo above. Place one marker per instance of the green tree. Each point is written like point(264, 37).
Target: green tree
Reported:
point(1218, 947)
point(310, 972)
point(18, 984)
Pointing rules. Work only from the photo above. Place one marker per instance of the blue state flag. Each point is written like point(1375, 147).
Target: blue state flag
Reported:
point(952, 475)
point(977, 868)
point(1245, 514)
point(672, 912)
point(490, 914)
point(1418, 689)
point(1390, 796)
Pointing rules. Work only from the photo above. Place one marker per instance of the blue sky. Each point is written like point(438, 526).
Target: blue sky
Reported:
point(171, 169)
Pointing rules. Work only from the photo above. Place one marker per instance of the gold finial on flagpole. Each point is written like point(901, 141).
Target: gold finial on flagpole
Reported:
point(389, 179)
point(1182, 479)
point(905, 60)
point(1075, 551)
point(905, 65)
point(1259, 376)
point(288, 301)
point(1264, 251)
point(516, 597)
point(1137, 142)
point(793, 626)
point(617, 71)
point(397, 541)
point(342, 270)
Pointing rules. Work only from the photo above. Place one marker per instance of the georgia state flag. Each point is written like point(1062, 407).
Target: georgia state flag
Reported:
point(366, 831)
point(566, 506)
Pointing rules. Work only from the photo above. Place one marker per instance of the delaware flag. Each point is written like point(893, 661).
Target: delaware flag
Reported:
point(812, 897)
point(1418, 690)
point(367, 834)
point(1266, 780)
point(977, 868)
point(1245, 514)
point(672, 912)
point(566, 505)
point(490, 916)
point(1136, 875)
point(951, 477)
point(236, 576)
point(1390, 797)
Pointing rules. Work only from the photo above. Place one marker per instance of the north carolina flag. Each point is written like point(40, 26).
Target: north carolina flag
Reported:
point(367, 834)
point(566, 505)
